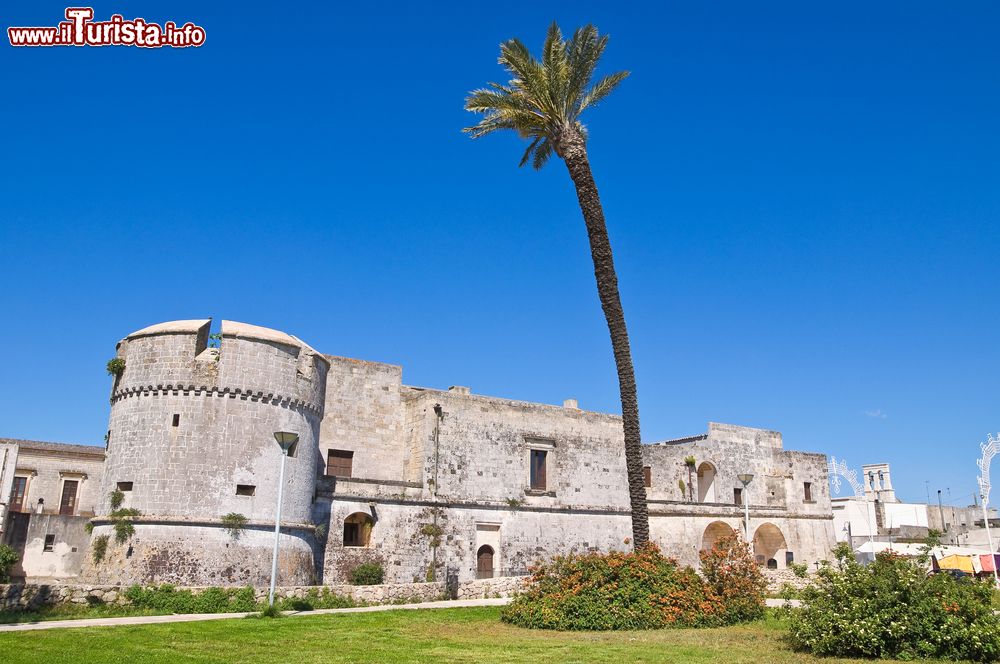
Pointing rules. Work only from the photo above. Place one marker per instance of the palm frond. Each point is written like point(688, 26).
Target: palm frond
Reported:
point(529, 73)
point(601, 89)
point(544, 97)
point(525, 124)
point(584, 52)
point(555, 62)
point(542, 154)
point(528, 153)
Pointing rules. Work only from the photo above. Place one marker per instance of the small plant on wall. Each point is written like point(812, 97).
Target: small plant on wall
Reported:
point(682, 487)
point(121, 517)
point(690, 462)
point(115, 367)
point(99, 547)
point(234, 523)
point(122, 521)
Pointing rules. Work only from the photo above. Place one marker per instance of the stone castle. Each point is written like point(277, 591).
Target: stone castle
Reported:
point(426, 482)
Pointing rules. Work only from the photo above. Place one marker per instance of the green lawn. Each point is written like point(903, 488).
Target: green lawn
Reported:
point(435, 636)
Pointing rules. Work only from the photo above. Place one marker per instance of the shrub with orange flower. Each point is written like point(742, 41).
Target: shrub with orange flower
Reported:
point(636, 590)
point(735, 579)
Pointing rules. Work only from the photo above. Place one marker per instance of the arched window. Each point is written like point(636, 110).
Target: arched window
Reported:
point(358, 529)
point(484, 562)
point(706, 483)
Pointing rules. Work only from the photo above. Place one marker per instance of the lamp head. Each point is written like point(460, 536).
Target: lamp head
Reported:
point(286, 440)
point(746, 478)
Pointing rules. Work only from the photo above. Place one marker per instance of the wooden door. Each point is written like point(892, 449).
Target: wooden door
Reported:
point(67, 505)
point(484, 562)
point(17, 497)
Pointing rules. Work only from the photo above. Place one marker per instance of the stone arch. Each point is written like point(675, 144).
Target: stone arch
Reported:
point(358, 529)
point(769, 546)
point(715, 531)
point(706, 483)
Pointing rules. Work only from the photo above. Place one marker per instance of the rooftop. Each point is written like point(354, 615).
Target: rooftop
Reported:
point(54, 448)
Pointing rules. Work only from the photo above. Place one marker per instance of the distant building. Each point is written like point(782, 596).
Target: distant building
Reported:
point(879, 516)
point(50, 492)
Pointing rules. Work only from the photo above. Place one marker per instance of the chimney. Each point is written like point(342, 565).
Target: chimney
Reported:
point(459, 389)
point(571, 403)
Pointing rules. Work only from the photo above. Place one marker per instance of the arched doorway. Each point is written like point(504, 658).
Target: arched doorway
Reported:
point(769, 546)
point(484, 562)
point(706, 483)
point(358, 529)
point(715, 532)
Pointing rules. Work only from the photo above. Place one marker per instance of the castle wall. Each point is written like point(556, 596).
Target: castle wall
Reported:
point(403, 537)
point(440, 480)
point(65, 557)
point(484, 445)
point(192, 439)
point(363, 414)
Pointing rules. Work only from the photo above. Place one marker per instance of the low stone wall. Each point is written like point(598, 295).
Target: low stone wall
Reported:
point(778, 578)
point(30, 596)
point(503, 586)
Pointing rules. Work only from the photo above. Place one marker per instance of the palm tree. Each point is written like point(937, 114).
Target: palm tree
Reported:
point(543, 103)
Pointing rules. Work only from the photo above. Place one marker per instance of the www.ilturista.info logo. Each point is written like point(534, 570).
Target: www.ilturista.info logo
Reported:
point(81, 30)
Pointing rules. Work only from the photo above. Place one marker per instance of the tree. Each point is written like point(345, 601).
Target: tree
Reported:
point(542, 103)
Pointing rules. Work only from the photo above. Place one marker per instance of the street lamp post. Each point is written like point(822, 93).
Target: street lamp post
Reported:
point(286, 441)
point(746, 478)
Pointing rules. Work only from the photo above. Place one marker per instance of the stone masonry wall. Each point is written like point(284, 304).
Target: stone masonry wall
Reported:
point(32, 596)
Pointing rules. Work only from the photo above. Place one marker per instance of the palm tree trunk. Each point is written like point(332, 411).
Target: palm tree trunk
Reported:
point(574, 153)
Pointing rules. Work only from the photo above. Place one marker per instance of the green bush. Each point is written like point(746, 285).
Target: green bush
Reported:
point(367, 574)
point(99, 548)
point(639, 590)
point(211, 600)
point(167, 598)
point(124, 528)
point(234, 523)
point(7, 559)
point(893, 609)
point(115, 367)
point(800, 570)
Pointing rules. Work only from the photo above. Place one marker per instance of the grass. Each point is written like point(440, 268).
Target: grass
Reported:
point(75, 611)
point(438, 636)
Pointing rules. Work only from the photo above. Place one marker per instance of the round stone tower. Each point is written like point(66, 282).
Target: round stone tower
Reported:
point(191, 446)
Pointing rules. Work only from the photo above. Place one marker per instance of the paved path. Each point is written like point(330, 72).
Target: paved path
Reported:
point(192, 617)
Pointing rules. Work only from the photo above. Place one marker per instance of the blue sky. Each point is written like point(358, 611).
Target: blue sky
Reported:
point(802, 200)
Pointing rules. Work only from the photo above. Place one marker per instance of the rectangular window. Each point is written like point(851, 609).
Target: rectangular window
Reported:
point(352, 534)
point(125, 486)
point(245, 489)
point(807, 490)
point(339, 463)
point(647, 476)
point(538, 459)
point(50, 543)
point(738, 497)
point(67, 506)
point(17, 496)
point(177, 420)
